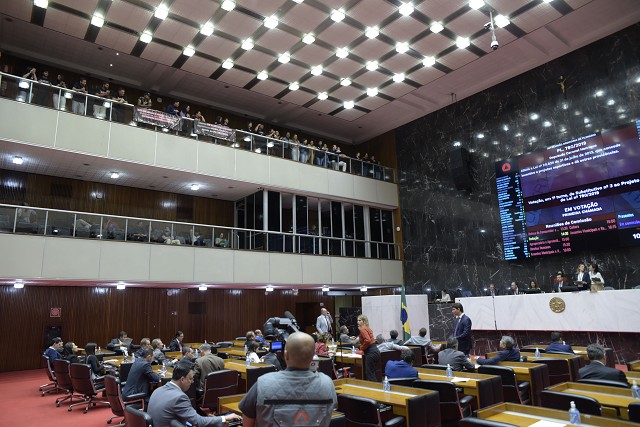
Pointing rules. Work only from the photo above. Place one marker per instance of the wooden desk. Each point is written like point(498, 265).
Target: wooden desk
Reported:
point(473, 384)
point(354, 361)
point(231, 404)
point(634, 365)
point(173, 355)
point(536, 374)
point(525, 415)
point(241, 367)
point(633, 375)
point(193, 345)
point(615, 399)
point(574, 362)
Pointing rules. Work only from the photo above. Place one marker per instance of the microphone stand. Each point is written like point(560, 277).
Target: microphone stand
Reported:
point(495, 321)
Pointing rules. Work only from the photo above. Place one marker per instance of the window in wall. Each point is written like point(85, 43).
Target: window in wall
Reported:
point(259, 238)
point(348, 229)
point(303, 244)
point(313, 206)
point(287, 221)
point(241, 222)
point(358, 222)
point(335, 245)
point(325, 225)
point(387, 250)
point(273, 221)
point(375, 231)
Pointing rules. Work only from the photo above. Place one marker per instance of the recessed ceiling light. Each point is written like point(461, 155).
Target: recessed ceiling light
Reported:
point(207, 29)
point(398, 77)
point(611, 102)
point(284, 58)
point(476, 4)
point(348, 105)
point(41, 3)
point(227, 64)
point(202, 287)
point(115, 175)
point(247, 44)
point(501, 21)
point(402, 47)
point(298, 1)
point(161, 12)
point(195, 187)
point(294, 86)
point(337, 15)
point(436, 27)
point(372, 65)
point(18, 284)
point(599, 92)
point(342, 52)
point(97, 21)
point(429, 61)
point(406, 9)
point(121, 286)
point(480, 135)
point(587, 120)
point(228, 5)
point(325, 288)
point(372, 32)
point(546, 123)
point(146, 37)
point(17, 160)
point(271, 21)
point(269, 288)
point(363, 289)
point(463, 42)
point(547, 1)
point(534, 116)
point(322, 96)
point(317, 70)
point(262, 75)
point(308, 38)
point(505, 127)
point(188, 51)
point(457, 144)
point(345, 82)
point(372, 91)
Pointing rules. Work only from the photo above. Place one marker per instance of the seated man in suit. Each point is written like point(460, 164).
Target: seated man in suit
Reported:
point(402, 368)
point(345, 338)
point(597, 370)
point(388, 345)
point(422, 340)
point(492, 291)
point(557, 345)
point(140, 376)
point(205, 364)
point(514, 290)
point(393, 334)
point(507, 353)
point(454, 358)
point(170, 402)
point(53, 352)
point(117, 343)
point(188, 355)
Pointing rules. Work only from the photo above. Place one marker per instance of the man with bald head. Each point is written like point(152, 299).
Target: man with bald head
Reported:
point(295, 396)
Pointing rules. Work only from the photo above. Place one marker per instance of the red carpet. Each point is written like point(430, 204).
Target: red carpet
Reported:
point(22, 405)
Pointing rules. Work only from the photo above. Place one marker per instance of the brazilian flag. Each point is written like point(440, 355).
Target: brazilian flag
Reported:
point(404, 316)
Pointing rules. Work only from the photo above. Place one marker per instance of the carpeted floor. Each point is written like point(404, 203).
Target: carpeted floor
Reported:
point(22, 405)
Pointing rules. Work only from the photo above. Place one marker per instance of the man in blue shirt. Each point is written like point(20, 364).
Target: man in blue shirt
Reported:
point(507, 353)
point(53, 352)
point(402, 368)
point(557, 345)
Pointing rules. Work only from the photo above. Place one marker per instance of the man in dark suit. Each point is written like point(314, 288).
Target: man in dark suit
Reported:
point(461, 328)
point(170, 402)
point(514, 290)
point(492, 291)
point(557, 345)
point(53, 351)
point(176, 343)
point(454, 358)
point(140, 376)
point(116, 343)
point(597, 369)
point(507, 353)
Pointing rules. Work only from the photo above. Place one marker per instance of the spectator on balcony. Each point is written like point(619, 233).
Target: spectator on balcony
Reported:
point(259, 143)
point(139, 232)
point(341, 164)
point(79, 98)
point(218, 121)
point(225, 122)
point(304, 151)
point(221, 241)
point(100, 107)
point(312, 152)
point(332, 157)
point(26, 215)
point(169, 237)
point(356, 164)
point(174, 109)
point(199, 117)
point(42, 91)
point(366, 166)
point(25, 94)
point(320, 155)
point(118, 110)
point(59, 101)
point(377, 169)
point(112, 228)
point(145, 101)
point(185, 113)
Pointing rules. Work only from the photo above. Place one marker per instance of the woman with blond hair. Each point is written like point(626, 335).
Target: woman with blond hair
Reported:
point(370, 353)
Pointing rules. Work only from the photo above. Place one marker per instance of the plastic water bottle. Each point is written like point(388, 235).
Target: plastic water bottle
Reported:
point(315, 363)
point(332, 342)
point(196, 353)
point(99, 349)
point(386, 386)
point(245, 349)
point(353, 349)
point(635, 390)
point(248, 361)
point(537, 352)
point(449, 371)
point(574, 414)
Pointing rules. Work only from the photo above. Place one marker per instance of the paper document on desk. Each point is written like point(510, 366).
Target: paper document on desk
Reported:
point(110, 360)
point(459, 380)
point(543, 423)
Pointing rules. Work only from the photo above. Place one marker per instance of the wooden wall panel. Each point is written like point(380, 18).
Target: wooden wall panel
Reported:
point(96, 314)
point(74, 194)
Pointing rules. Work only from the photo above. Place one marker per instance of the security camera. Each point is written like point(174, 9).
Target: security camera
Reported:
point(495, 45)
point(487, 26)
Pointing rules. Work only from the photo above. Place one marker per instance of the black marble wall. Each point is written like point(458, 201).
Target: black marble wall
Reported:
point(452, 238)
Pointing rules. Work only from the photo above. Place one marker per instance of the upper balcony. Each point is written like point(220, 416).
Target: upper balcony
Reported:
point(142, 144)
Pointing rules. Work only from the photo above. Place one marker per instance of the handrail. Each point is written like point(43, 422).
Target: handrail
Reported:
point(257, 143)
point(271, 241)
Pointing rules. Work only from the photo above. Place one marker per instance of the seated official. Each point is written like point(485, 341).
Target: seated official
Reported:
point(507, 354)
point(321, 345)
point(205, 364)
point(596, 370)
point(145, 343)
point(53, 352)
point(444, 296)
point(259, 337)
point(402, 368)
point(422, 340)
point(92, 361)
point(393, 337)
point(158, 354)
point(345, 338)
point(388, 345)
point(514, 289)
point(453, 357)
point(291, 392)
point(188, 355)
point(140, 376)
point(252, 354)
point(492, 291)
point(70, 352)
point(118, 343)
point(176, 343)
point(557, 345)
point(170, 402)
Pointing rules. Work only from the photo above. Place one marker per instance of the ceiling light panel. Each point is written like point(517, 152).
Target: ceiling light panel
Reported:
point(337, 15)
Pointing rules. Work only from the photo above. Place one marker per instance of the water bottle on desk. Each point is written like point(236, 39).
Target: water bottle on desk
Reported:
point(449, 371)
point(245, 349)
point(99, 350)
point(574, 414)
point(386, 386)
point(353, 349)
point(635, 390)
point(248, 361)
point(537, 352)
point(196, 353)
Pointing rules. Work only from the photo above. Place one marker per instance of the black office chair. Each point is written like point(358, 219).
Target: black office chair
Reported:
point(434, 366)
point(558, 370)
point(607, 383)
point(364, 412)
point(62, 371)
point(83, 384)
point(114, 396)
point(51, 387)
point(254, 373)
point(216, 385)
point(513, 391)
point(136, 418)
point(408, 382)
point(123, 372)
point(474, 422)
point(453, 407)
point(562, 401)
point(634, 412)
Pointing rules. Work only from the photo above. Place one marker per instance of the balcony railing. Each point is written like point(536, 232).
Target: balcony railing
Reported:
point(66, 99)
point(70, 224)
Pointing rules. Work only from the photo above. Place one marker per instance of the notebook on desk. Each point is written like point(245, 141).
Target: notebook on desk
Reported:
point(126, 342)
